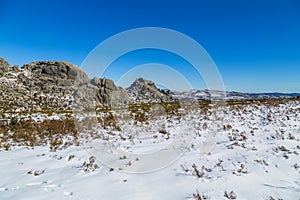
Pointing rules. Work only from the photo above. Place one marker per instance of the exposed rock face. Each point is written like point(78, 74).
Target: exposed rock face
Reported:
point(4, 66)
point(99, 92)
point(105, 89)
point(119, 97)
point(144, 91)
point(52, 77)
point(56, 70)
point(52, 85)
point(46, 85)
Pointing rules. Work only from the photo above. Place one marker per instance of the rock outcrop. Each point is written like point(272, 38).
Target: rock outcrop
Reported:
point(145, 91)
point(4, 66)
point(108, 93)
point(100, 92)
point(53, 85)
point(52, 77)
point(46, 85)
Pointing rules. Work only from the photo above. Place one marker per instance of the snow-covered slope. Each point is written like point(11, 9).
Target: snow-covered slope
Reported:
point(255, 157)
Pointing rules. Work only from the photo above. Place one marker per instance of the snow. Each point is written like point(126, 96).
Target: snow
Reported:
point(256, 158)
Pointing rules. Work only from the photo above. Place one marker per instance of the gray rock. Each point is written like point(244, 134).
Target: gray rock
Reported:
point(119, 98)
point(109, 84)
point(103, 93)
point(144, 91)
point(57, 69)
point(4, 66)
point(64, 82)
point(85, 96)
point(96, 81)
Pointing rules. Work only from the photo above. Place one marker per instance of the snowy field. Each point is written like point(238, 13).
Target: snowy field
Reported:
point(255, 157)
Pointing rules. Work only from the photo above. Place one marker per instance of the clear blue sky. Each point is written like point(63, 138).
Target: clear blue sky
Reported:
point(255, 44)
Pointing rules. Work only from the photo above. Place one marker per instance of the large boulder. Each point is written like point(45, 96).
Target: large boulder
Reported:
point(99, 92)
point(119, 97)
point(53, 77)
point(109, 94)
point(57, 69)
point(103, 82)
point(85, 96)
point(4, 66)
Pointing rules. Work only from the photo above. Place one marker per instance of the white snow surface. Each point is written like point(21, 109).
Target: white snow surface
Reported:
point(263, 165)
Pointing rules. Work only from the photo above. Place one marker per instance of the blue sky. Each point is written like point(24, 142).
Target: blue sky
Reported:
point(255, 44)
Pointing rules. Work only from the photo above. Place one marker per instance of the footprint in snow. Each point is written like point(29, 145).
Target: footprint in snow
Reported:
point(2, 189)
point(68, 193)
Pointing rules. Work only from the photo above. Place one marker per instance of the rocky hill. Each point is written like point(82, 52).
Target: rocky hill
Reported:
point(53, 85)
point(145, 91)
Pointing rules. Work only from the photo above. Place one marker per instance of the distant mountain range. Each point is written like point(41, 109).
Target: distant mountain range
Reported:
point(192, 95)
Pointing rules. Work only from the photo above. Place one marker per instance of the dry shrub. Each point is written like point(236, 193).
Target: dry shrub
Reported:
point(31, 133)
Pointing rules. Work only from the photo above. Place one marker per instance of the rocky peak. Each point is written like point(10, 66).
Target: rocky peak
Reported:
point(140, 83)
point(4, 66)
point(145, 91)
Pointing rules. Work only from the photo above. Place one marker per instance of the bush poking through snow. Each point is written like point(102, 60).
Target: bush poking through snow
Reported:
point(36, 172)
point(230, 195)
point(162, 131)
point(90, 166)
point(71, 157)
point(196, 171)
point(198, 196)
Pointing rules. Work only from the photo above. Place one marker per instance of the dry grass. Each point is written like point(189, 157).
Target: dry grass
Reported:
point(17, 131)
point(31, 133)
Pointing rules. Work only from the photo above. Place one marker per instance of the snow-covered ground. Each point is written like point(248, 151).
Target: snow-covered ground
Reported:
point(255, 157)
